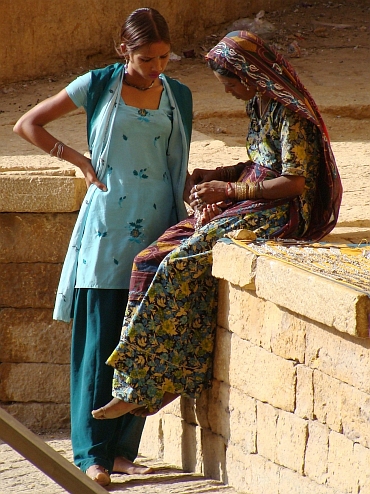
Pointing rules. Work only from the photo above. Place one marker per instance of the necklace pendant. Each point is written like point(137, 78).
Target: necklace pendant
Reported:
point(138, 87)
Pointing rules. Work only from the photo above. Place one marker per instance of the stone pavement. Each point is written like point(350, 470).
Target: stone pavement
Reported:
point(17, 475)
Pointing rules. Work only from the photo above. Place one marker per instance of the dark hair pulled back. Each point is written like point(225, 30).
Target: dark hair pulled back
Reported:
point(221, 70)
point(144, 26)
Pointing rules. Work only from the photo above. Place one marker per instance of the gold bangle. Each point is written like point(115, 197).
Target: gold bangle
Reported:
point(253, 191)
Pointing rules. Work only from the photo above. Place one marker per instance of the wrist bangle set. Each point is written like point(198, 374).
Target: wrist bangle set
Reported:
point(59, 147)
point(227, 173)
point(244, 190)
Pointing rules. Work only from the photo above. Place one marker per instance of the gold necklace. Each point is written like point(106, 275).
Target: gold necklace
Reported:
point(138, 87)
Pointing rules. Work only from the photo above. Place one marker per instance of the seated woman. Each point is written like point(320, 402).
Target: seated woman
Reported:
point(289, 188)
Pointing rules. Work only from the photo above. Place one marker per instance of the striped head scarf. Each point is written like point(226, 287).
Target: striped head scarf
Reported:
point(253, 61)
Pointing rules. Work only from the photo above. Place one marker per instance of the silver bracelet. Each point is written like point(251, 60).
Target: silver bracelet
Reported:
point(59, 146)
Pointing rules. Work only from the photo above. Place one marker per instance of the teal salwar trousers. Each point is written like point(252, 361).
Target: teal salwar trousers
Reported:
point(97, 322)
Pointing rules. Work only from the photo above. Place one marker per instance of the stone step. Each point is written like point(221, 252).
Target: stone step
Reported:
point(18, 475)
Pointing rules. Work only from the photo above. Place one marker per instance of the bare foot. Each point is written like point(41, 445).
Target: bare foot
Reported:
point(122, 465)
point(99, 475)
point(115, 408)
point(141, 411)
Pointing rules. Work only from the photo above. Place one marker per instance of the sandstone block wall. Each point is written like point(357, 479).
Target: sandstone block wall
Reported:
point(34, 349)
point(288, 411)
point(44, 38)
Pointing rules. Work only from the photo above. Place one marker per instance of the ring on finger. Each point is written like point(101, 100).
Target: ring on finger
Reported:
point(196, 195)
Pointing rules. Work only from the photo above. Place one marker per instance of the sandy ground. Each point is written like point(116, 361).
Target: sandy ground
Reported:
point(328, 42)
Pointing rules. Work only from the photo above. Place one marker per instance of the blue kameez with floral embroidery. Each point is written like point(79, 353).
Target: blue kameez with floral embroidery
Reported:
point(137, 206)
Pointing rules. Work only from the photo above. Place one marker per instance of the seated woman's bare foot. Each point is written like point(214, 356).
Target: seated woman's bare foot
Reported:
point(141, 411)
point(99, 475)
point(115, 408)
point(123, 465)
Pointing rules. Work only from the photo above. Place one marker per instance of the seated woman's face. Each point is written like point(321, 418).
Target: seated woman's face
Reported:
point(233, 86)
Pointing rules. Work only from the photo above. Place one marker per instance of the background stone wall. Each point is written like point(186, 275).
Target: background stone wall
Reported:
point(41, 38)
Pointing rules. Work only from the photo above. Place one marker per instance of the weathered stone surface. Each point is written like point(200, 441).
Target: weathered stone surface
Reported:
point(221, 357)
point(243, 421)
point(49, 383)
point(192, 448)
point(262, 375)
point(267, 417)
point(304, 393)
point(31, 335)
point(246, 319)
point(316, 457)
point(214, 455)
point(43, 58)
point(346, 359)
point(265, 475)
point(288, 333)
point(40, 416)
point(291, 437)
point(293, 483)
point(343, 408)
point(240, 468)
point(41, 194)
point(151, 443)
point(29, 237)
point(332, 304)
point(341, 463)
point(28, 285)
point(234, 265)
point(361, 457)
point(172, 429)
point(218, 409)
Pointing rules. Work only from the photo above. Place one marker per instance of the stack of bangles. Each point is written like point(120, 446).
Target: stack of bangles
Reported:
point(227, 173)
point(59, 148)
point(241, 191)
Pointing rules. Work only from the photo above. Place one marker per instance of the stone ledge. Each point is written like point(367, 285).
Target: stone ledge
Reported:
point(28, 193)
point(338, 306)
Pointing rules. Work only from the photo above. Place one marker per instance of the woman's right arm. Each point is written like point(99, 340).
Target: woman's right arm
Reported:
point(31, 126)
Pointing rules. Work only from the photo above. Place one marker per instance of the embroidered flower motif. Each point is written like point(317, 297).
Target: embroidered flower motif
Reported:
point(141, 173)
point(136, 232)
point(120, 200)
point(144, 114)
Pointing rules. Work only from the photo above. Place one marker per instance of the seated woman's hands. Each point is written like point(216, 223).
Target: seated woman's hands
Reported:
point(207, 214)
point(200, 175)
point(207, 193)
point(207, 199)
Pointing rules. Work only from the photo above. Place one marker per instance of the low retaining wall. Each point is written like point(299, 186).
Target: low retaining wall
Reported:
point(289, 408)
